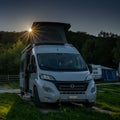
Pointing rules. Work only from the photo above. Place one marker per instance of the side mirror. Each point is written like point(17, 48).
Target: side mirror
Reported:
point(90, 68)
point(31, 68)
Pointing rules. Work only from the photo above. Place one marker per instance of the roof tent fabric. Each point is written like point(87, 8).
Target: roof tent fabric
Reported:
point(49, 33)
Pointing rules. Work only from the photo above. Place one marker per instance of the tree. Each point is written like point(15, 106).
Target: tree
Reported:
point(88, 50)
point(116, 52)
point(10, 59)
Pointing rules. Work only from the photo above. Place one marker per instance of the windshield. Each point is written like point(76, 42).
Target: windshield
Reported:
point(61, 62)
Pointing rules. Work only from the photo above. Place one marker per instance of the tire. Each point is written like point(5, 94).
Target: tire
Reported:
point(89, 105)
point(22, 93)
point(36, 99)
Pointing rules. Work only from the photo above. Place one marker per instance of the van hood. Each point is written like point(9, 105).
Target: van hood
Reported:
point(68, 76)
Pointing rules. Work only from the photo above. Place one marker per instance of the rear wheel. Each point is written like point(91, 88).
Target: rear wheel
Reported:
point(36, 99)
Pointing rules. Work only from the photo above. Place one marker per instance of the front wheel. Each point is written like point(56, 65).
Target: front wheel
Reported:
point(22, 93)
point(88, 104)
point(36, 99)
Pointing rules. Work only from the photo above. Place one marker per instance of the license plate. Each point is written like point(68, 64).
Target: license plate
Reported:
point(73, 97)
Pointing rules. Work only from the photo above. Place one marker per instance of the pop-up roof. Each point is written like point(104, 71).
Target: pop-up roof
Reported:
point(49, 33)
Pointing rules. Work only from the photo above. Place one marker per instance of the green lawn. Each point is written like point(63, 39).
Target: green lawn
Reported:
point(108, 97)
point(9, 85)
point(12, 107)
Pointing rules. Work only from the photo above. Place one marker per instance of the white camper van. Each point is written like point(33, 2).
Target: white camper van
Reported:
point(96, 71)
point(54, 71)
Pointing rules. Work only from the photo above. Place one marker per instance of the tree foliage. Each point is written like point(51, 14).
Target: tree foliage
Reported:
point(116, 51)
point(11, 46)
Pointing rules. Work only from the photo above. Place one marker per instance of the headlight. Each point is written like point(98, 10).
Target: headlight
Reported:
point(47, 77)
point(93, 89)
point(89, 77)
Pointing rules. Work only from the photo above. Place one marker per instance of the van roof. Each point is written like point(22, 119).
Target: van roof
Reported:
point(38, 24)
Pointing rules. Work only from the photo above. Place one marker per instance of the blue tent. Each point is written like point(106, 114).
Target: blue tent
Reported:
point(109, 74)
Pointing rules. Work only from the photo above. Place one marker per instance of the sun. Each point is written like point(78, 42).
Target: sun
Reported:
point(30, 30)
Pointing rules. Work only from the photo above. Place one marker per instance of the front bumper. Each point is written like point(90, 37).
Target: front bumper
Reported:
point(50, 93)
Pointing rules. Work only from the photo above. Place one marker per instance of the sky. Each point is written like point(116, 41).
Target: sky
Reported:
point(89, 16)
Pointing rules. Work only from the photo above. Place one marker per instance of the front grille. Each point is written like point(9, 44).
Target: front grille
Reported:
point(72, 92)
point(71, 86)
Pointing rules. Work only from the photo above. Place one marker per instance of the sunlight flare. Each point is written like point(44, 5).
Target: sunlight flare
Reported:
point(30, 30)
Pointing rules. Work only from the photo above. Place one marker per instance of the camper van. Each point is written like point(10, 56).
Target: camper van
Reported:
point(52, 70)
point(96, 71)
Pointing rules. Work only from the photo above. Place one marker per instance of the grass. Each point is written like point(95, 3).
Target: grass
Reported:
point(103, 81)
point(108, 97)
point(9, 85)
point(12, 107)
